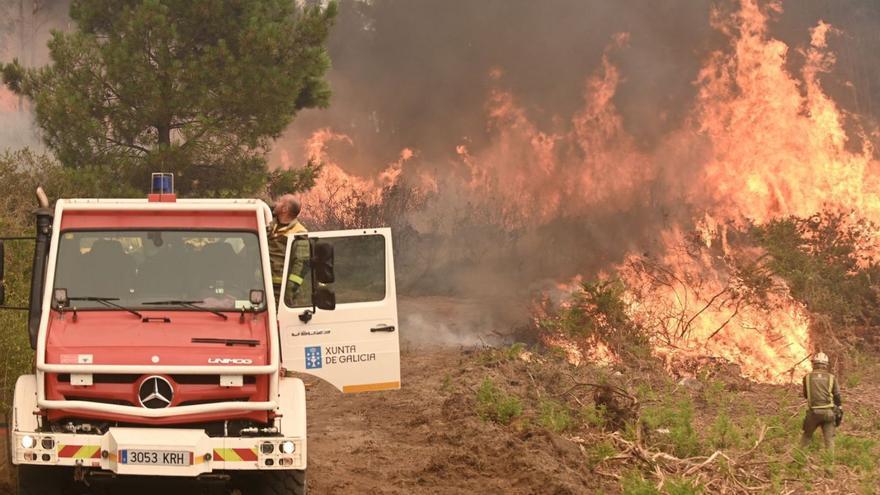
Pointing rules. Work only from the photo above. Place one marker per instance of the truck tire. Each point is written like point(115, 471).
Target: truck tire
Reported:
point(279, 483)
point(43, 480)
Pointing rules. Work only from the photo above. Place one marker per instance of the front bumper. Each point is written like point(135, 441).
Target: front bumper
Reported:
point(207, 454)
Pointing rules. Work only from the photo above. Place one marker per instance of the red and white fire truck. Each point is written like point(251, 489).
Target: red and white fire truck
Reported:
point(161, 350)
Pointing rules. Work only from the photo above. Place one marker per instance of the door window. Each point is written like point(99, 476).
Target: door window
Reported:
point(359, 268)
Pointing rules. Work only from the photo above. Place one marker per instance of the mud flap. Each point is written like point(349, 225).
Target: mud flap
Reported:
point(356, 346)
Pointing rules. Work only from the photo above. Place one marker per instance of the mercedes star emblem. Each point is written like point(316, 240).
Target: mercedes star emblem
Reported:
point(155, 392)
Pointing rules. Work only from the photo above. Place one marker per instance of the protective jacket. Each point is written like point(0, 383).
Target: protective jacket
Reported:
point(278, 234)
point(821, 390)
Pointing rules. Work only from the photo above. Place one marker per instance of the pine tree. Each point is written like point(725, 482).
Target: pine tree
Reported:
point(200, 88)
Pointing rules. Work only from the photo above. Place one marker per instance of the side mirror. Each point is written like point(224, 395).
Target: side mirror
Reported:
point(322, 262)
point(257, 298)
point(2, 272)
point(324, 298)
point(59, 298)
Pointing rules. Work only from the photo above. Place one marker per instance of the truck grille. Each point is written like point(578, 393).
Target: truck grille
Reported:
point(122, 389)
point(180, 379)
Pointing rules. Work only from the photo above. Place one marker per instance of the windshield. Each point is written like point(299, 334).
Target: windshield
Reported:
point(212, 269)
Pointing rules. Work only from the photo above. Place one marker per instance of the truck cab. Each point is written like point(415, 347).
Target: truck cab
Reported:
point(161, 350)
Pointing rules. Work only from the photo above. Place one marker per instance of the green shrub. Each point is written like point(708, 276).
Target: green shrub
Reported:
point(634, 484)
point(493, 404)
point(856, 453)
point(600, 451)
point(823, 263)
point(495, 356)
point(682, 487)
point(682, 439)
point(554, 416)
point(723, 434)
point(593, 415)
point(514, 351)
point(715, 394)
point(597, 309)
point(797, 466)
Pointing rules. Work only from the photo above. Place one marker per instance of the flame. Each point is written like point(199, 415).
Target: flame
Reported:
point(592, 351)
point(339, 198)
point(775, 150)
point(760, 142)
point(693, 305)
point(518, 176)
point(772, 151)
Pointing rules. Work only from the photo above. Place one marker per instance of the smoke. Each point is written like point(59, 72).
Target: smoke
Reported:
point(416, 73)
point(556, 139)
point(25, 29)
point(546, 140)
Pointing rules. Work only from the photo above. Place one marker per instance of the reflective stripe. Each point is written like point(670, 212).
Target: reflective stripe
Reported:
point(295, 279)
point(809, 390)
point(235, 455)
point(79, 451)
point(276, 280)
point(370, 387)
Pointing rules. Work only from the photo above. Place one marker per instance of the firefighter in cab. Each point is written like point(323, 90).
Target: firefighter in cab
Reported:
point(823, 402)
point(286, 224)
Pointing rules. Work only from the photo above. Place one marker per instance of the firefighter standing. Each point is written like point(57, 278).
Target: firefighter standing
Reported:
point(286, 224)
point(823, 402)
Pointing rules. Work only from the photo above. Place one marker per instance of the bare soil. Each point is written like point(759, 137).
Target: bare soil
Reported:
point(426, 439)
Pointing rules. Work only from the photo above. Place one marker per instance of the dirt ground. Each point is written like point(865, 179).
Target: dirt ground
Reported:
point(421, 440)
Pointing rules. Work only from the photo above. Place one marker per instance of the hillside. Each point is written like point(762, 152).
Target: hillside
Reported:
point(509, 421)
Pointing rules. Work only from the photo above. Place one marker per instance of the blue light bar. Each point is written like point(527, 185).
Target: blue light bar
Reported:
point(162, 183)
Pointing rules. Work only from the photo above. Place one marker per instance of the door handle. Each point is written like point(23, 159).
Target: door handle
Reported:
point(383, 328)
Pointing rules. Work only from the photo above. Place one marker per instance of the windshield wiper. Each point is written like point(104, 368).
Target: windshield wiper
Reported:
point(106, 301)
point(227, 342)
point(186, 304)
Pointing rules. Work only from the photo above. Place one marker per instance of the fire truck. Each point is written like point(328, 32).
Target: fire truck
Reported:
point(161, 351)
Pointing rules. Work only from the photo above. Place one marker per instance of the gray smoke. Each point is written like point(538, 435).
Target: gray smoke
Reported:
point(418, 74)
point(25, 29)
point(415, 73)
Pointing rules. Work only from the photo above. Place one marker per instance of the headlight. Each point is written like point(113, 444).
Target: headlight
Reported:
point(267, 448)
point(47, 443)
point(288, 447)
point(28, 442)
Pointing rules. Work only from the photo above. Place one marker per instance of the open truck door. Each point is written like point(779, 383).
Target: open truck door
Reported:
point(354, 346)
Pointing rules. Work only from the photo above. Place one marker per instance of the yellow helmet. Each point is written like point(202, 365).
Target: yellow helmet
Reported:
point(820, 358)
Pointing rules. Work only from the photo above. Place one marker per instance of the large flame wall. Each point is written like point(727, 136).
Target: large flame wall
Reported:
point(760, 140)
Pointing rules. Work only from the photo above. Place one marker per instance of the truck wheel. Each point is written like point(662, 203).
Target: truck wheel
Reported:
point(42, 480)
point(278, 483)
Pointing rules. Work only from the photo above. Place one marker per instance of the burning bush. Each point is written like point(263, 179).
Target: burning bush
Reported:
point(594, 324)
point(829, 262)
point(747, 296)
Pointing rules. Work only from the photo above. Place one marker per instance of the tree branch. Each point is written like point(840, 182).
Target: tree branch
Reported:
point(126, 145)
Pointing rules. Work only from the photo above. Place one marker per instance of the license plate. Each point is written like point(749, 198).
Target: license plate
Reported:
point(155, 457)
